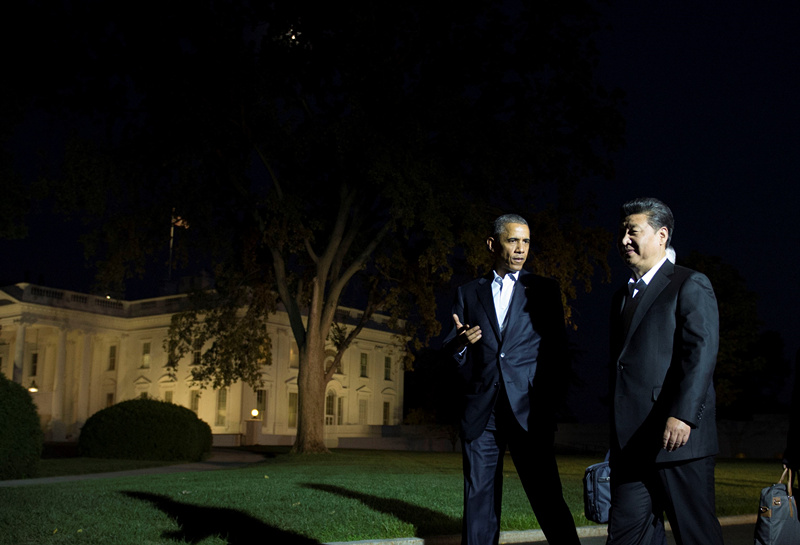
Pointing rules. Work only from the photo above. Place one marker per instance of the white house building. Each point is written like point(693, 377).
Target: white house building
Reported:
point(80, 353)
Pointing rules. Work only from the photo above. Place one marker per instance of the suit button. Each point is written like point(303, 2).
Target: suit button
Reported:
point(502, 354)
point(496, 384)
point(620, 367)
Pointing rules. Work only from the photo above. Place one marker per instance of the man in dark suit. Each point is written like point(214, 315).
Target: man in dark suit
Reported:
point(664, 340)
point(511, 353)
point(791, 456)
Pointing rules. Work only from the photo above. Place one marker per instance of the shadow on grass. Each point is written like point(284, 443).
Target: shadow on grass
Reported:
point(427, 521)
point(198, 523)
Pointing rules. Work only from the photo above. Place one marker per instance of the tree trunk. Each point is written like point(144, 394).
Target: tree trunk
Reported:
point(311, 389)
point(311, 405)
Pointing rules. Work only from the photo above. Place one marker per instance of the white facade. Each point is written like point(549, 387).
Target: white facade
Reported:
point(84, 353)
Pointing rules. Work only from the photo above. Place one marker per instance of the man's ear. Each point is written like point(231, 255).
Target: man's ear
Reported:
point(490, 244)
point(664, 234)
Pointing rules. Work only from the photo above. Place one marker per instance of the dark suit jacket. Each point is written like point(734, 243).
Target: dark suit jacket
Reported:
point(791, 456)
point(529, 358)
point(664, 366)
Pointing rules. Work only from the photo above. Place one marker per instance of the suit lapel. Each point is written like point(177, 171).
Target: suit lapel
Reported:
point(517, 302)
point(486, 299)
point(660, 281)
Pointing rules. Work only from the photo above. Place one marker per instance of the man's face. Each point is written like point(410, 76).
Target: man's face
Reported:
point(641, 246)
point(511, 250)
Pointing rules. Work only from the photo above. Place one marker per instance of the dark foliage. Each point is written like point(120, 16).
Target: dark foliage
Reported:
point(145, 429)
point(20, 432)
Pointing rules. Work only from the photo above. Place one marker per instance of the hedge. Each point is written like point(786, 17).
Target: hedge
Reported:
point(20, 432)
point(145, 429)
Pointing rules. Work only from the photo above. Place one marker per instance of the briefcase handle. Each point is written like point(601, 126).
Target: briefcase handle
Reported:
point(789, 482)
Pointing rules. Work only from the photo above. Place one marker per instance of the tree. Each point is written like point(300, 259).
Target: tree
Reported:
point(333, 154)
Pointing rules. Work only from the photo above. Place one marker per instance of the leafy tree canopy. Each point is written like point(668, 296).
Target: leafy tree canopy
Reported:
point(324, 153)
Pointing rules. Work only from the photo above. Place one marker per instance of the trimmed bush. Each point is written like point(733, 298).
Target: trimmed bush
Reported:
point(20, 432)
point(145, 429)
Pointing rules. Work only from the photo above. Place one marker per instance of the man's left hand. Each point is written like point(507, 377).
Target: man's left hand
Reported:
point(676, 434)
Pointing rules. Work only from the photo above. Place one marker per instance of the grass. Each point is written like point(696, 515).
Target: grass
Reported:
point(345, 496)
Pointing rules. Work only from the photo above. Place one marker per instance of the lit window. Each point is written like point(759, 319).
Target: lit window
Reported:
point(222, 407)
point(387, 368)
point(364, 365)
point(362, 411)
point(294, 356)
point(330, 405)
point(168, 395)
point(387, 413)
point(146, 355)
point(261, 404)
point(112, 357)
point(292, 409)
point(34, 364)
point(194, 401)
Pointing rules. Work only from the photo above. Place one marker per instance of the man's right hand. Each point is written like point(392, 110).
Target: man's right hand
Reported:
point(466, 335)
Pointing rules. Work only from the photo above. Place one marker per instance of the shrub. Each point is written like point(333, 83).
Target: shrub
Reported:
point(145, 429)
point(20, 432)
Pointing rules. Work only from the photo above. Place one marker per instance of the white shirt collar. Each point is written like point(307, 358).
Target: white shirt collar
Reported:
point(648, 276)
point(514, 275)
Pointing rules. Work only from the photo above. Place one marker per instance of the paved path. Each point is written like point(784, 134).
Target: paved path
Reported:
point(220, 458)
point(735, 530)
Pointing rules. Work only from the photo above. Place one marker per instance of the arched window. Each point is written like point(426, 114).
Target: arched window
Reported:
point(330, 408)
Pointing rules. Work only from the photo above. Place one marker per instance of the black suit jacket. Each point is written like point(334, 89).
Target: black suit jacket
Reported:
point(664, 365)
point(791, 456)
point(528, 358)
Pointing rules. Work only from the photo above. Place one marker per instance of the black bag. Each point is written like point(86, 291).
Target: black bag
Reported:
point(597, 491)
point(778, 522)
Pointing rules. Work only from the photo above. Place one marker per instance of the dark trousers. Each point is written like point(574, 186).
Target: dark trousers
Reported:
point(641, 494)
point(535, 461)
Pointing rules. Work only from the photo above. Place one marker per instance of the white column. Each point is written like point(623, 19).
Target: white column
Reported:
point(19, 353)
point(59, 384)
point(84, 379)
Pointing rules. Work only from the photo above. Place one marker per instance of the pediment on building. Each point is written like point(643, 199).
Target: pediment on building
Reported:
point(364, 390)
point(336, 386)
point(291, 380)
point(142, 381)
point(167, 378)
point(389, 392)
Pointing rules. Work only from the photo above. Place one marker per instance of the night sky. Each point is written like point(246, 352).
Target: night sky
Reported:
point(713, 129)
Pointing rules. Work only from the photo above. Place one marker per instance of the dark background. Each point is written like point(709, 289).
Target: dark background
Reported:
point(712, 129)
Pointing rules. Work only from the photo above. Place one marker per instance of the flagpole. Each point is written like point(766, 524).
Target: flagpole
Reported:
point(171, 237)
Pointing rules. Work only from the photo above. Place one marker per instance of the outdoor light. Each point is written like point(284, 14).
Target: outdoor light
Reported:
point(254, 412)
point(33, 388)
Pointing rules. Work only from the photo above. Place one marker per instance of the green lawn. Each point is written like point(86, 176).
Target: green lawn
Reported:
point(348, 495)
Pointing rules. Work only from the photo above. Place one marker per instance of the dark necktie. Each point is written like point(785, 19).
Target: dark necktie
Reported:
point(502, 299)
